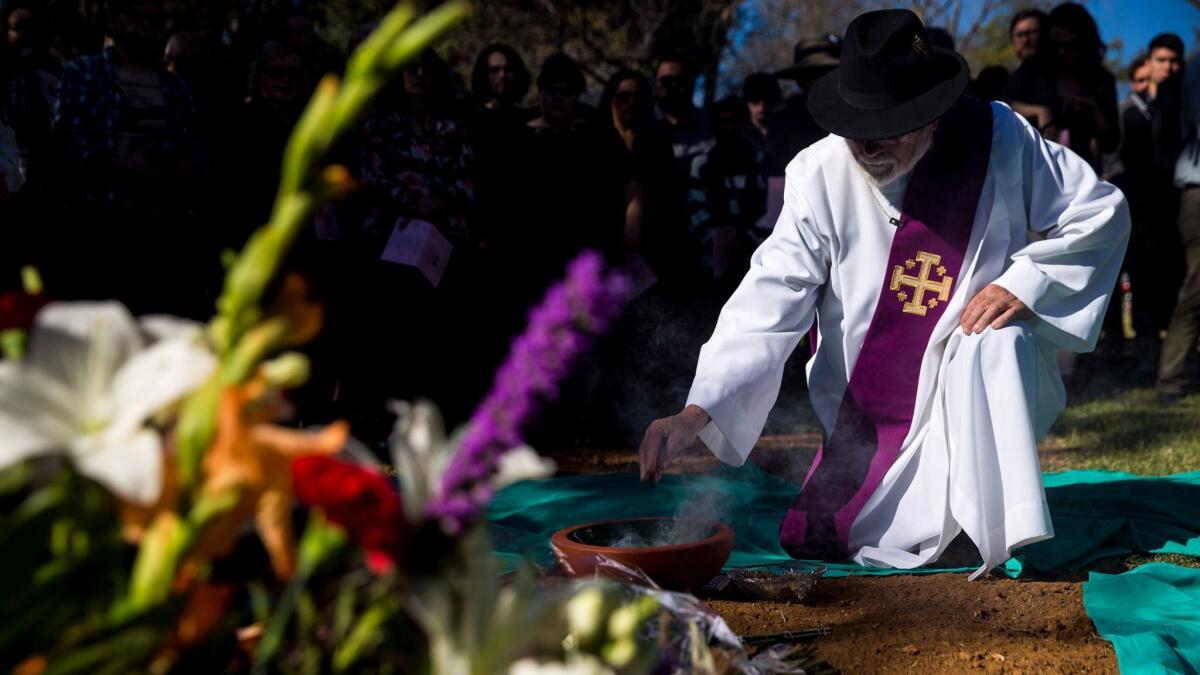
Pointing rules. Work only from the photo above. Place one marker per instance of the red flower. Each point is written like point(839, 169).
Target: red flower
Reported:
point(362, 502)
point(18, 308)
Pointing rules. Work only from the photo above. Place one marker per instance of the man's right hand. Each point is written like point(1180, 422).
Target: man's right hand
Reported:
point(667, 437)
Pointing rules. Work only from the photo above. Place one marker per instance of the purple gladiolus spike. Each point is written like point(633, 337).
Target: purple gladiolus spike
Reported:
point(560, 329)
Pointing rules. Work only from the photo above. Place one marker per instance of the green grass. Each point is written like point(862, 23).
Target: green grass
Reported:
point(1113, 421)
point(1173, 558)
point(1126, 430)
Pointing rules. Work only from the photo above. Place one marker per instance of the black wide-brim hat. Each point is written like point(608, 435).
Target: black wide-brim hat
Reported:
point(890, 80)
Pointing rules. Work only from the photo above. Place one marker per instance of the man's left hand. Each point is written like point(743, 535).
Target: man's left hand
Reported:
point(993, 306)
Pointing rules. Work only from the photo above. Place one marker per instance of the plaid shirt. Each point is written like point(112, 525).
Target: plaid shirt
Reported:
point(88, 115)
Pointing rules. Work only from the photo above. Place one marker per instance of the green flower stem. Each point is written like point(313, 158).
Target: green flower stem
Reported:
point(165, 544)
point(365, 633)
point(196, 429)
point(319, 542)
point(12, 344)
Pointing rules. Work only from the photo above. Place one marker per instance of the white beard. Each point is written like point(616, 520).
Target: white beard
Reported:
point(882, 173)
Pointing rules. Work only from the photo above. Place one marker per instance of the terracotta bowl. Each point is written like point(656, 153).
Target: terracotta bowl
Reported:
point(680, 567)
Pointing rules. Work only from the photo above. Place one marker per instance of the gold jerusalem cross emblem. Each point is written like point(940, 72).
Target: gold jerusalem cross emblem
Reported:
point(921, 284)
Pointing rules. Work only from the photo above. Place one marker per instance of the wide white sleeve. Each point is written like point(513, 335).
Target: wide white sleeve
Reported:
point(741, 365)
point(1066, 278)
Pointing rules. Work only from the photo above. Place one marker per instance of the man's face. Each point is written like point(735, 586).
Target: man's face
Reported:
point(500, 74)
point(728, 124)
point(139, 30)
point(1164, 62)
point(418, 80)
point(759, 112)
point(887, 159)
point(559, 101)
point(673, 86)
point(1025, 36)
point(19, 23)
point(1140, 81)
point(282, 79)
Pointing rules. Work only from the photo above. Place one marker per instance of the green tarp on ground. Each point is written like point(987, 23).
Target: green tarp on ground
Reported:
point(1096, 514)
point(1151, 615)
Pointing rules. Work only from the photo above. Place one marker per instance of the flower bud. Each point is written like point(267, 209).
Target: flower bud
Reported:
point(585, 616)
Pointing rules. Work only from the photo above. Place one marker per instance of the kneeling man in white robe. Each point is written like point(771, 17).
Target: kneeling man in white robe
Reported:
point(939, 252)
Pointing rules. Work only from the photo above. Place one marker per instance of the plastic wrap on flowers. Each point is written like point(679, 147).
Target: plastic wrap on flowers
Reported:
point(692, 637)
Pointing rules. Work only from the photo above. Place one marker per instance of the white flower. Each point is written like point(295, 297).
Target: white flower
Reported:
point(88, 386)
point(421, 452)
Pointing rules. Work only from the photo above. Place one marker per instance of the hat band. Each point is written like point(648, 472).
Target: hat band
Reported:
point(873, 101)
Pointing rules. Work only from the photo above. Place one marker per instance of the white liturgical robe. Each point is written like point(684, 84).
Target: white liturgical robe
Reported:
point(1045, 228)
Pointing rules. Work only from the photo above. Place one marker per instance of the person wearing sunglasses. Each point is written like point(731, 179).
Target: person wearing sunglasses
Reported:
point(904, 253)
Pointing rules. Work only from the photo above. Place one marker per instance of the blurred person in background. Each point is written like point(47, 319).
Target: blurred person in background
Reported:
point(124, 131)
point(792, 129)
point(254, 142)
point(495, 122)
point(633, 146)
point(989, 84)
point(763, 97)
point(1165, 60)
point(397, 326)
point(499, 80)
point(1025, 30)
point(28, 84)
point(687, 128)
point(1065, 90)
point(736, 192)
point(1153, 260)
point(1174, 380)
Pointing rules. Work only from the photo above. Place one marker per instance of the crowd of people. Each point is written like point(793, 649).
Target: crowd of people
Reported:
point(130, 163)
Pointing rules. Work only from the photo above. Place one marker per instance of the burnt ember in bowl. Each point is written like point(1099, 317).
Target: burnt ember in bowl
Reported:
point(677, 553)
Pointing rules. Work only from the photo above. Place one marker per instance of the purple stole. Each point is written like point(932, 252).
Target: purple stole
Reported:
point(923, 268)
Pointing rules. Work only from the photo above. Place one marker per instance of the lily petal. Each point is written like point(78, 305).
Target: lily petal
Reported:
point(521, 463)
point(155, 378)
point(82, 345)
point(166, 327)
point(130, 467)
point(33, 419)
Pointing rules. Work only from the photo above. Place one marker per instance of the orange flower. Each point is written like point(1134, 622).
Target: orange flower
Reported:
point(303, 316)
point(253, 457)
point(202, 612)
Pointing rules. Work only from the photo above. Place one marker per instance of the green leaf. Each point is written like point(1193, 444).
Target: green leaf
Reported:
point(366, 635)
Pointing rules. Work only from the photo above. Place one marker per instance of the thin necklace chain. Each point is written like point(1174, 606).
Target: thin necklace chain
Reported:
point(871, 188)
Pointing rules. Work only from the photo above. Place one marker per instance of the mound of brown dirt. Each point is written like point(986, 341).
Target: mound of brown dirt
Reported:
point(938, 623)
